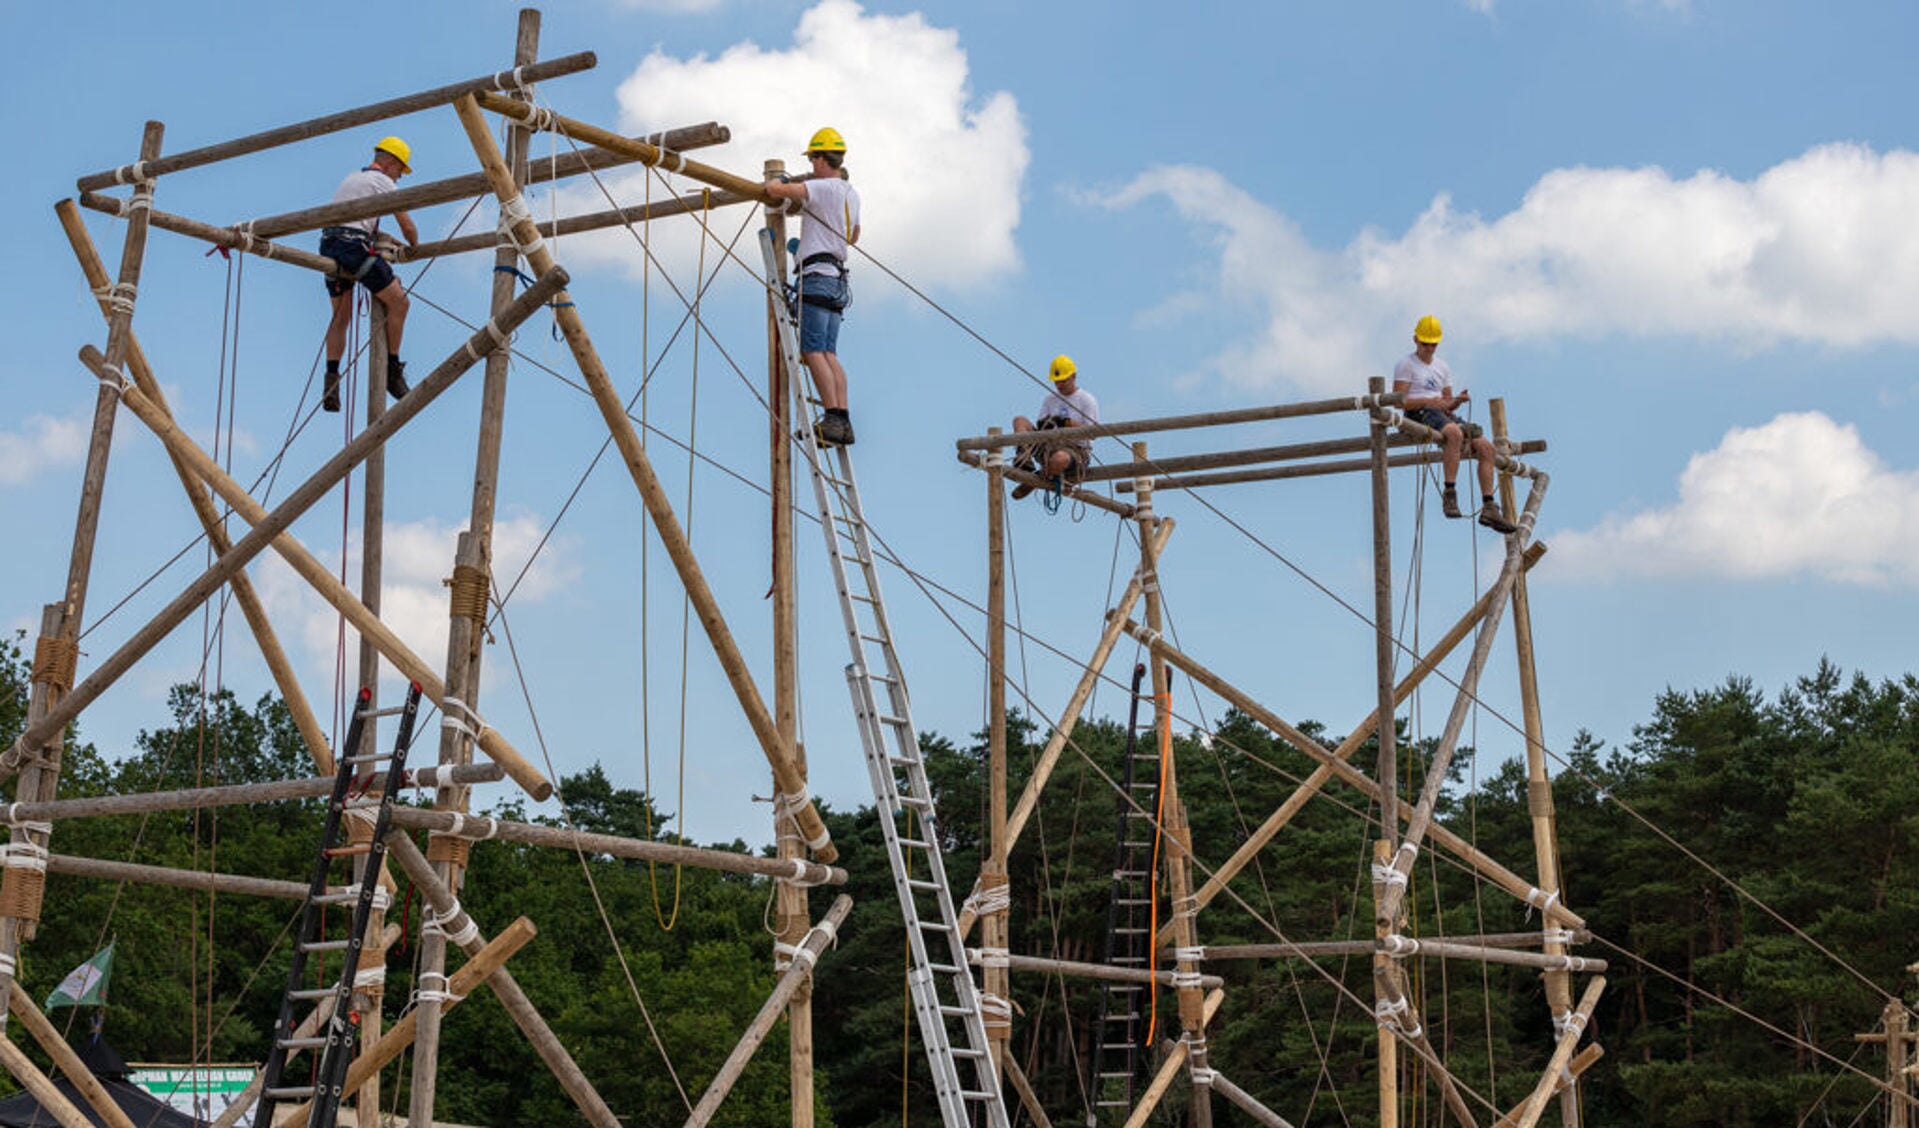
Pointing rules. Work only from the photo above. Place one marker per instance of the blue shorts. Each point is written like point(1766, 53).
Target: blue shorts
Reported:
point(819, 326)
point(1437, 420)
point(357, 262)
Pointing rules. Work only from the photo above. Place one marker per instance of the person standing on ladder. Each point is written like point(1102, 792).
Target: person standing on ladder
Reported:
point(1067, 405)
point(1426, 385)
point(832, 209)
point(352, 247)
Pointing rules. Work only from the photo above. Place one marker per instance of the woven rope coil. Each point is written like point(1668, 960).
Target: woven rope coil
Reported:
point(54, 661)
point(469, 596)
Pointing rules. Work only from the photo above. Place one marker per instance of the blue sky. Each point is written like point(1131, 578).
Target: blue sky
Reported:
point(1677, 237)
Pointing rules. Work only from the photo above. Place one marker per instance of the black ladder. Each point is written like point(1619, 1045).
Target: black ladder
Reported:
point(1118, 1053)
point(336, 1043)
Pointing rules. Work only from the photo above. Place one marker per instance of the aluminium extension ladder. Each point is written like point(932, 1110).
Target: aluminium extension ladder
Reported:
point(944, 995)
point(1119, 1049)
point(336, 1044)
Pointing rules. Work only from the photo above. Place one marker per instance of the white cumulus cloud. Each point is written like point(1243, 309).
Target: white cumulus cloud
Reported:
point(1801, 495)
point(938, 167)
point(1818, 249)
point(41, 442)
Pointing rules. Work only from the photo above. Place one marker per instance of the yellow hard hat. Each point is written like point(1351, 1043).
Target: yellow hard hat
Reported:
point(827, 140)
point(1427, 331)
point(398, 150)
point(1064, 369)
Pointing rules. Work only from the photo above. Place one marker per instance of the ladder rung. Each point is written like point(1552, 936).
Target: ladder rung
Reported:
point(967, 1051)
point(301, 1043)
point(914, 842)
point(289, 1094)
point(944, 969)
point(394, 711)
point(903, 761)
point(369, 758)
point(979, 1094)
point(337, 898)
point(934, 926)
point(325, 945)
point(889, 719)
point(313, 993)
point(923, 886)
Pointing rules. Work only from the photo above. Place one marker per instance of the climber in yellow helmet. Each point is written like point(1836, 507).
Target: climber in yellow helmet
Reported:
point(1426, 383)
point(351, 246)
point(1067, 405)
point(831, 225)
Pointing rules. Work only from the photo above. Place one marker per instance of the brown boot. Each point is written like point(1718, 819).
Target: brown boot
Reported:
point(1449, 502)
point(1492, 518)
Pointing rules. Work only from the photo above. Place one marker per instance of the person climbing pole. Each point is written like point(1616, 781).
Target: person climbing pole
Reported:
point(1067, 405)
point(1426, 384)
point(831, 224)
point(352, 247)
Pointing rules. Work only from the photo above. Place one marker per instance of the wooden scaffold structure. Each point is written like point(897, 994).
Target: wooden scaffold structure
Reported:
point(127, 378)
point(1405, 828)
point(805, 851)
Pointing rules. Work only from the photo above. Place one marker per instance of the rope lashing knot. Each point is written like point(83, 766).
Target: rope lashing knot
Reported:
point(440, 775)
point(1387, 1013)
point(141, 201)
point(54, 660)
point(114, 380)
point(784, 955)
point(448, 707)
point(1149, 581)
point(1203, 1075)
point(1147, 636)
point(1399, 947)
point(803, 874)
point(673, 161)
point(1557, 935)
point(990, 957)
point(459, 828)
point(511, 82)
point(374, 976)
point(994, 460)
point(135, 173)
point(7, 965)
point(382, 897)
point(1187, 906)
point(1537, 898)
point(1572, 1022)
point(1578, 963)
point(29, 826)
point(539, 118)
point(1186, 979)
point(24, 856)
point(121, 295)
point(996, 1010)
point(433, 921)
point(789, 804)
point(1195, 954)
point(243, 237)
point(438, 994)
point(1387, 875)
point(469, 592)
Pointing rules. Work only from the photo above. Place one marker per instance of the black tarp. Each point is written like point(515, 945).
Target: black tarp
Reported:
point(22, 1110)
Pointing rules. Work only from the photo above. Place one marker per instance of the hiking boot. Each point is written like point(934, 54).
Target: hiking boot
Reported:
point(330, 398)
point(1492, 518)
point(1449, 503)
point(396, 379)
point(834, 430)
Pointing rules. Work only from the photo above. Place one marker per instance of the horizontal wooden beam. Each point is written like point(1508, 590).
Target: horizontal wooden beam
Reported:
point(1315, 948)
point(1181, 422)
point(334, 123)
point(1106, 972)
point(479, 827)
point(193, 798)
point(575, 224)
point(219, 236)
point(1425, 457)
point(1173, 464)
point(1076, 492)
point(473, 184)
point(176, 878)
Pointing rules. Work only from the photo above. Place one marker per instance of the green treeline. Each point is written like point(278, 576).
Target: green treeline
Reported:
point(1716, 1012)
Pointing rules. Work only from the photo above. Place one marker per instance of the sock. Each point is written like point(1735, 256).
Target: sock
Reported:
point(332, 368)
point(1450, 488)
point(1485, 499)
point(395, 364)
point(838, 412)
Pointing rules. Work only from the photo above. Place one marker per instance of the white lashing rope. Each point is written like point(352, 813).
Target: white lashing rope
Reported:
point(1387, 1013)
point(996, 1010)
point(437, 922)
point(987, 901)
point(1557, 935)
point(438, 994)
point(451, 705)
point(1399, 947)
point(1386, 875)
point(24, 856)
point(31, 826)
point(459, 830)
point(1184, 979)
point(1539, 899)
point(784, 954)
point(1572, 1022)
point(517, 83)
point(440, 775)
point(382, 897)
point(373, 976)
point(121, 296)
point(135, 173)
point(994, 958)
point(1196, 954)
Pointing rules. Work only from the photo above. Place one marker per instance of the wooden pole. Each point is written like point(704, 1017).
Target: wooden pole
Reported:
point(1253, 456)
point(466, 621)
point(1179, 861)
point(794, 915)
point(22, 886)
point(1575, 1069)
point(1489, 868)
point(1399, 1018)
point(67, 1061)
point(1248, 1105)
point(1311, 785)
point(1316, 949)
point(630, 215)
point(452, 921)
point(1422, 815)
point(434, 192)
point(1169, 1068)
point(1426, 456)
point(996, 993)
point(1077, 493)
point(1028, 1099)
point(785, 772)
point(484, 963)
point(480, 827)
point(210, 518)
point(333, 123)
point(269, 528)
point(1535, 1105)
point(1400, 947)
point(1387, 723)
point(52, 674)
point(233, 238)
point(1382, 968)
point(199, 880)
point(994, 439)
point(800, 970)
point(41, 1086)
point(1107, 972)
point(1539, 788)
point(225, 795)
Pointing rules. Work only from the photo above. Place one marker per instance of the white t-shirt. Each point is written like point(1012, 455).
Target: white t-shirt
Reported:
point(1423, 381)
point(1080, 407)
point(369, 181)
point(832, 211)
